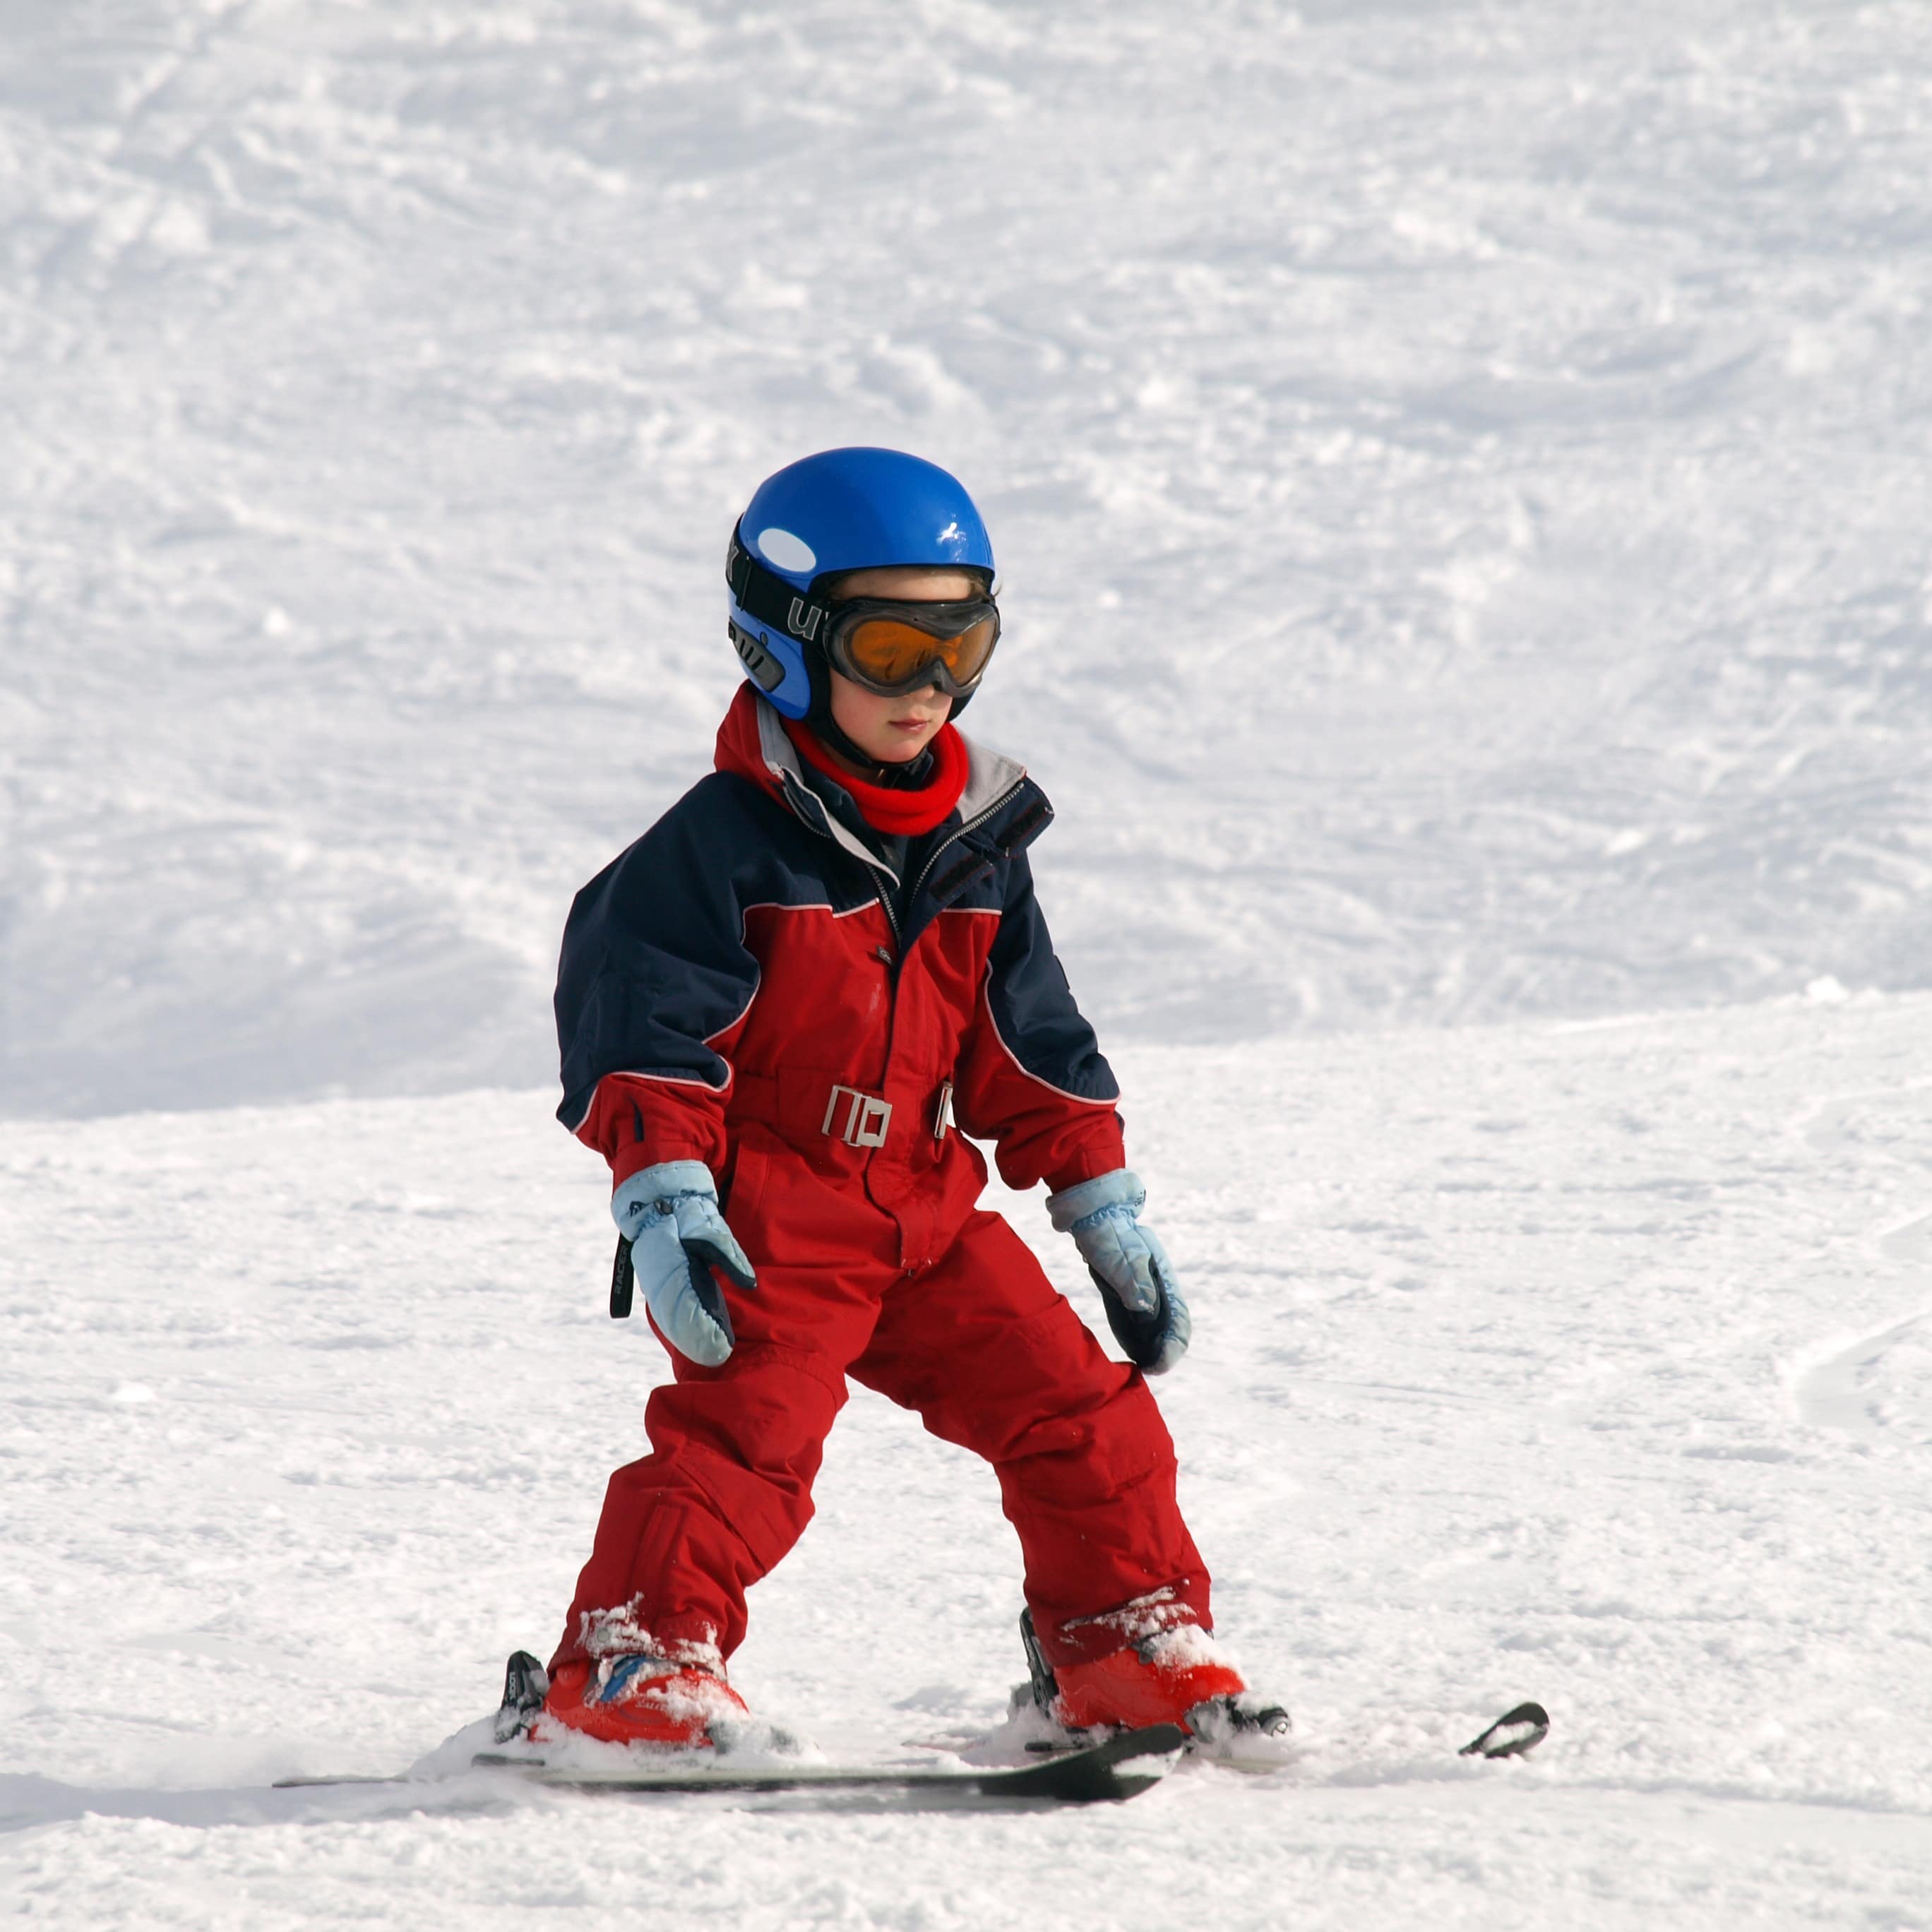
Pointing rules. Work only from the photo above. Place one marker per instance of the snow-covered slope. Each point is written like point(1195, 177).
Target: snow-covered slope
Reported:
point(1588, 1364)
point(1459, 468)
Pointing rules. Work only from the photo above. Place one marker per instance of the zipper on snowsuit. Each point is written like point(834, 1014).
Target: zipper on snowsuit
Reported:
point(881, 872)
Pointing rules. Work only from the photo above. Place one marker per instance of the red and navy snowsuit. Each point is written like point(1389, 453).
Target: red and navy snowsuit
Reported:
point(736, 988)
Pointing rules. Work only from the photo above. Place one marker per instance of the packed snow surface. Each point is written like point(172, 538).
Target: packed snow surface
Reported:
point(1460, 474)
point(1591, 1363)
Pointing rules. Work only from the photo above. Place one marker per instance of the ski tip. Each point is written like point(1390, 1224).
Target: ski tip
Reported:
point(1512, 1734)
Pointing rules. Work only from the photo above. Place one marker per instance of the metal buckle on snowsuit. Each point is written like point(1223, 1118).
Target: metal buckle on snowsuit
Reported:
point(866, 1119)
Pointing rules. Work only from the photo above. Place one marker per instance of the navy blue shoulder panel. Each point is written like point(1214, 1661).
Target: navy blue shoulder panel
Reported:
point(654, 961)
point(1031, 1004)
point(973, 873)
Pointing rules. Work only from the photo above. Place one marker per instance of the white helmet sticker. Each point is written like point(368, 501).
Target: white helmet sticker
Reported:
point(787, 552)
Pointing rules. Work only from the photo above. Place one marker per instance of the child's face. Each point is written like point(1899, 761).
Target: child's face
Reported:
point(893, 730)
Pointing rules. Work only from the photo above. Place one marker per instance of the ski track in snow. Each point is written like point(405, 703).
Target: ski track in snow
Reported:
point(1459, 470)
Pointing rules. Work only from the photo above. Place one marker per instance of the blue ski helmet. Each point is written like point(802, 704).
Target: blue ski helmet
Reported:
point(812, 522)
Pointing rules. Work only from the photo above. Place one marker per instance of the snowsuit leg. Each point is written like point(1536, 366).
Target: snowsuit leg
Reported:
point(727, 1490)
point(978, 1343)
point(994, 1359)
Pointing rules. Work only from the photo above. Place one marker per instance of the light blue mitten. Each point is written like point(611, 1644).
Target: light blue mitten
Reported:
point(670, 1215)
point(1129, 1266)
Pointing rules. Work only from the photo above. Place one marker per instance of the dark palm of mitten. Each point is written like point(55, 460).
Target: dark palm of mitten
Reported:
point(703, 1256)
point(1153, 1341)
point(1138, 1335)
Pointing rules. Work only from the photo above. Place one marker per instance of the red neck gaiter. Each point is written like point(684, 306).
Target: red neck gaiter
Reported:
point(900, 814)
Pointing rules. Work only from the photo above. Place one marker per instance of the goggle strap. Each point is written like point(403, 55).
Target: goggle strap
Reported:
point(763, 594)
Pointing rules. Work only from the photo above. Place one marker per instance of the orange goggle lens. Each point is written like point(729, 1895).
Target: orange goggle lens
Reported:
point(888, 651)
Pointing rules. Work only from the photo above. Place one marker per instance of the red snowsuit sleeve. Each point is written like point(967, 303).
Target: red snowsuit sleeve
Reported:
point(637, 1121)
point(1031, 1077)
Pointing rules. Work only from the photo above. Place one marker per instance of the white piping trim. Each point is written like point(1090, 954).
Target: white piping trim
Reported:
point(781, 761)
point(736, 1019)
point(662, 1079)
point(1039, 1080)
point(779, 905)
point(665, 1079)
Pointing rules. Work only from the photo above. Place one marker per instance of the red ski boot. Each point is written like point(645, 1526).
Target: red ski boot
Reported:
point(637, 1700)
point(1159, 1681)
point(1175, 1676)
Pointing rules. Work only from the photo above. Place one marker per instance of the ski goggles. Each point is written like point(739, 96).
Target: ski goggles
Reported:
point(890, 648)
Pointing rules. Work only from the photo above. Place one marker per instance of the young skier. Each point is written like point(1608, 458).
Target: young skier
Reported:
point(772, 1008)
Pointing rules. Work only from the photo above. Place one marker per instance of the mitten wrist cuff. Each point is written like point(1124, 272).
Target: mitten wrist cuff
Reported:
point(664, 1182)
point(1121, 1188)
